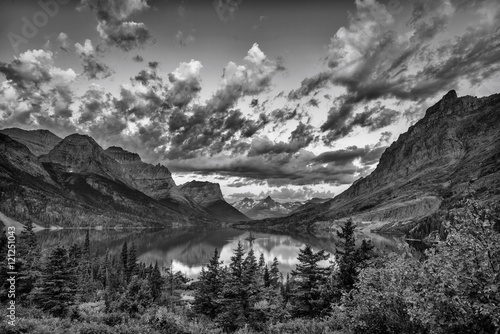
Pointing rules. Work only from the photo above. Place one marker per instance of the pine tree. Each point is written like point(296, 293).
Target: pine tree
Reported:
point(350, 259)
point(262, 262)
point(124, 259)
point(266, 277)
point(209, 288)
point(308, 291)
point(57, 287)
point(156, 282)
point(233, 294)
point(132, 262)
point(28, 256)
point(274, 273)
point(346, 257)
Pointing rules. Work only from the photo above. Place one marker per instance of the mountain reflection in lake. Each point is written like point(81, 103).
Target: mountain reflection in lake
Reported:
point(188, 250)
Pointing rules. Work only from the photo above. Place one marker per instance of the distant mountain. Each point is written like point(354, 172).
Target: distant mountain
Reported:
point(77, 183)
point(39, 142)
point(209, 196)
point(310, 203)
point(265, 208)
point(453, 151)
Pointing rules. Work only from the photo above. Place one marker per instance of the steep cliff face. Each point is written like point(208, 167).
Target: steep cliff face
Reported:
point(39, 142)
point(154, 181)
point(16, 156)
point(202, 193)
point(209, 196)
point(453, 150)
point(81, 154)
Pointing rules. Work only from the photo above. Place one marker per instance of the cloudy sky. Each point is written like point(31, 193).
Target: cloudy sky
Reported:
point(293, 99)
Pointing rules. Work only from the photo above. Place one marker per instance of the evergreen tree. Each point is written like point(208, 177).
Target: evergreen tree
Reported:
point(57, 288)
point(156, 282)
point(209, 287)
point(233, 295)
point(3, 267)
point(86, 246)
point(308, 291)
point(266, 277)
point(252, 291)
point(124, 260)
point(346, 256)
point(349, 258)
point(262, 262)
point(28, 259)
point(274, 273)
point(132, 268)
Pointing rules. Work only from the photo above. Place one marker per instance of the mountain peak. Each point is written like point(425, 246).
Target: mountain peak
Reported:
point(39, 142)
point(121, 155)
point(450, 96)
point(202, 192)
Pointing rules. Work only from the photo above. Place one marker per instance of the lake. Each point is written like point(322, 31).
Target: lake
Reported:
point(188, 250)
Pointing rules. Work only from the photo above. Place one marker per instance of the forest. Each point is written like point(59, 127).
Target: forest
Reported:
point(453, 287)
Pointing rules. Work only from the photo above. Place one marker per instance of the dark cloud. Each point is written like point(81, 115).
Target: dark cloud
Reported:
point(94, 103)
point(186, 83)
point(275, 170)
point(153, 65)
point(371, 60)
point(342, 157)
point(92, 66)
point(313, 103)
point(138, 59)
point(114, 25)
point(309, 85)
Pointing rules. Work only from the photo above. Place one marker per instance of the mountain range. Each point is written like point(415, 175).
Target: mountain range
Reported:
point(451, 153)
point(75, 182)
point(269, 208)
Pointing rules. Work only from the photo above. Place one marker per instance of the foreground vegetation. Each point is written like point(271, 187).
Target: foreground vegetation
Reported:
point(453, 288)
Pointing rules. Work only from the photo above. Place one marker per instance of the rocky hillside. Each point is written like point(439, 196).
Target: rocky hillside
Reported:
point(77, 183)
point(209, 196)
point(39, 142)
point(266, 208)
point(154, 181)
point(453, 151)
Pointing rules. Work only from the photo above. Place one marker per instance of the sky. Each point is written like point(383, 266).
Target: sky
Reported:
point(292, 99)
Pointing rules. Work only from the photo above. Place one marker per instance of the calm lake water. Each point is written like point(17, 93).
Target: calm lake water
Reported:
point(188, 250)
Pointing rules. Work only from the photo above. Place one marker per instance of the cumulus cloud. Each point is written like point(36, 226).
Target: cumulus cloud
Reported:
point(373, 59)
point(245, 80)
point(186, 83)
point(215, 126)
point(35, 91)
point(114, 25)
point(92, 66)
point(342, 122)
point(63, 40)
point(301, 137)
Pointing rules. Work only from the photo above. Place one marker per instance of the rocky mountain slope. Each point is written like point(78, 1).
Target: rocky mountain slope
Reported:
point(209, 196)
point(265, 208)
point(77, 183)
point(453, 151)
point(39, 142)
